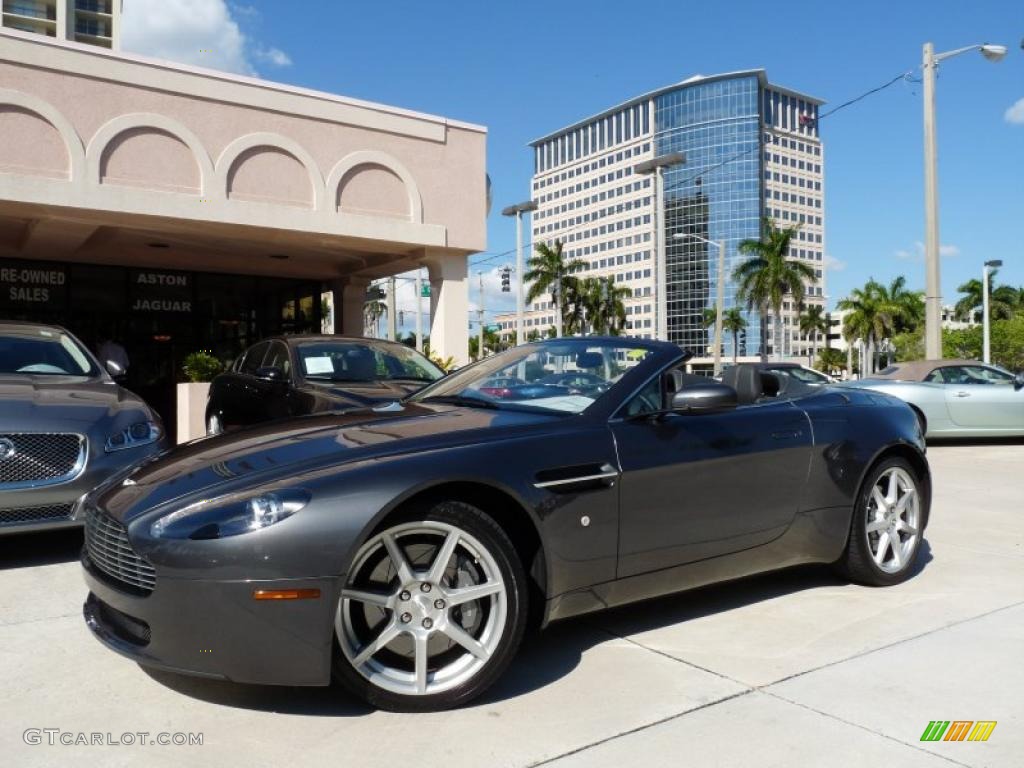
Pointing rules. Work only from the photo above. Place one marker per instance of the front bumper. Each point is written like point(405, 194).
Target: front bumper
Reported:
point(214, 628)
point(54, 506)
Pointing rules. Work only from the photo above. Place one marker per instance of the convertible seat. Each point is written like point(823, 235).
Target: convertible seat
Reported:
point(746, 380)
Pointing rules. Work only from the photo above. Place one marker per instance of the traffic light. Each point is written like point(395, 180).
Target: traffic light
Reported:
point(506, 278)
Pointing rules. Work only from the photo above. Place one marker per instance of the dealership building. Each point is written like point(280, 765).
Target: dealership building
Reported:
point(175, 209)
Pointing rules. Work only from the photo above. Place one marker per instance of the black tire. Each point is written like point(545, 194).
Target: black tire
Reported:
point(493, 538)
point(858, 562)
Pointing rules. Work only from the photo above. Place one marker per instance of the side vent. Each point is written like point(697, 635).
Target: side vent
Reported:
point(577, 478)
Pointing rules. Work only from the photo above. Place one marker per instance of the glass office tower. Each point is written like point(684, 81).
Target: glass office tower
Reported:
point(715, 195)
point(752, 151)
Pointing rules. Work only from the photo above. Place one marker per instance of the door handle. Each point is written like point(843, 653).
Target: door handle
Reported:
point(786, 434)
point(963, 394)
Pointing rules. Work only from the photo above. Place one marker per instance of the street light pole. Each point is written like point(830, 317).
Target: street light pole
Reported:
point(986, 322)
point(657, 167)
point(933, 290)
point(480, 315)
point(419, 306)
point(720, 293)
point(518, 210)
point(932, 293)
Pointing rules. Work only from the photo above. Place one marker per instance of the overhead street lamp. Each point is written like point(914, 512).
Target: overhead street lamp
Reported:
point(518, 210)
point(657, 166)
point(985, 320)
point(720, 297)
point(933, 290)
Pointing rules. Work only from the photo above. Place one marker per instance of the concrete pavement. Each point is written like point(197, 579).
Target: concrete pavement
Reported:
point(795, 668)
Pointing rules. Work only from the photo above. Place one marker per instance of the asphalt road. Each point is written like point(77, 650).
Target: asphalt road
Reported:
point(791, 669)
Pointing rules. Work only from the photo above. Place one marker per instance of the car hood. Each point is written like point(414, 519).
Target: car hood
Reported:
point(251, 458)
point(62, 403)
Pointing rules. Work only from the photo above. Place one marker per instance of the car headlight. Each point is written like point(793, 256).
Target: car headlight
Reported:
point(229, 515)
point(140, 433)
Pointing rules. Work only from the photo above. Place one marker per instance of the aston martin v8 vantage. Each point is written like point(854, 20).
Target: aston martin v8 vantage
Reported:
point(404, 548)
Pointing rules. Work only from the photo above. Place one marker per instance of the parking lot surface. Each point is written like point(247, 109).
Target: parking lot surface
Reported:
point(788, 669)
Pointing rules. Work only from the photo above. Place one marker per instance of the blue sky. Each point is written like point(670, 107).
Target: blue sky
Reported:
point(526, 68)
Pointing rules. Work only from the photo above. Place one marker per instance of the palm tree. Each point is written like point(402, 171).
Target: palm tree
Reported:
point(1000, 302)
point(768, 276)
point(1011, 297)
point(606, 312)
point(550, 273)
point(812, 322)
point(870, 318)
point(733, 322)
point(906, 308)
point(577, 298)
point(375, 307)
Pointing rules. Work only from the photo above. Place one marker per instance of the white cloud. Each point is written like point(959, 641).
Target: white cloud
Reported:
point(1015, 113)
point(917, 252)
point(274, 56)
point(833, 264)
point(203, 33)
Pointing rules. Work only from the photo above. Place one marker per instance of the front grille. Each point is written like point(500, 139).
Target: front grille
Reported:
point(32, 459)
point(106, 543)
point(49, 513)
point(121, 625)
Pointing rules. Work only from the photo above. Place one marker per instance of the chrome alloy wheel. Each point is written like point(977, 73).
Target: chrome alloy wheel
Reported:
point(893, 519)
point(424, 609)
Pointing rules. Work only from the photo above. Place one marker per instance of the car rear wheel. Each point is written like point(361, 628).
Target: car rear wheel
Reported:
point(432, 612)
point(888, 525)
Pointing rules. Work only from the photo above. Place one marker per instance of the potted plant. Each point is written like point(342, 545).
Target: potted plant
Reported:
point(199, 368)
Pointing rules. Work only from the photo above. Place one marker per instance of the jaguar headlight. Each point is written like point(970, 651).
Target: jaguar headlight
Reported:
point(229, 515)
point(138, 434)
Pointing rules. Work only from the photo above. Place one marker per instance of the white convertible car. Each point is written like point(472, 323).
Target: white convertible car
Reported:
point(956, 398)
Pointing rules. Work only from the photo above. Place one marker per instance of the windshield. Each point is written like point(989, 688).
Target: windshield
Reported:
point(359, 361)
point(560, 376)
point(802, 374)
point(45, 352)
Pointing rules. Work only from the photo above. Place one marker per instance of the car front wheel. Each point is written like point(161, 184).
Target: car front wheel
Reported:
point(432, 612)
point(888, 525)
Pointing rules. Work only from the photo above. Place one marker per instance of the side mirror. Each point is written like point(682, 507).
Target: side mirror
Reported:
point(113, 368)
point(1018, 381)
point(270, 373)
point(704, 398)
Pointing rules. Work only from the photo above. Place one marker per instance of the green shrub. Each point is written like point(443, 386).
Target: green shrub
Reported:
point(201, 366)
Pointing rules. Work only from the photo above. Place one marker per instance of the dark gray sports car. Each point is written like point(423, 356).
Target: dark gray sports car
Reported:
point(405, 547)
point(65, 427)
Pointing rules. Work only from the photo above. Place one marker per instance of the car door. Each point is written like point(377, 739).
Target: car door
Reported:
point(228, 392)
point(981, 397)
point(276, 397)
point(245, 406)
point(695, 486)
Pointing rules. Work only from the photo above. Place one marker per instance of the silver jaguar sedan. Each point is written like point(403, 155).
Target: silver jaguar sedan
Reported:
point(956, 398)
point(65, 427)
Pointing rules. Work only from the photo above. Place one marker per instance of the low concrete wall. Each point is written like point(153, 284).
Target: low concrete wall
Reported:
point(192, 411)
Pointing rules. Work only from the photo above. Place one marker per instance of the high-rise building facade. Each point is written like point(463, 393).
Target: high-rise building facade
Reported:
point(96, 22)
point(752, 151)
